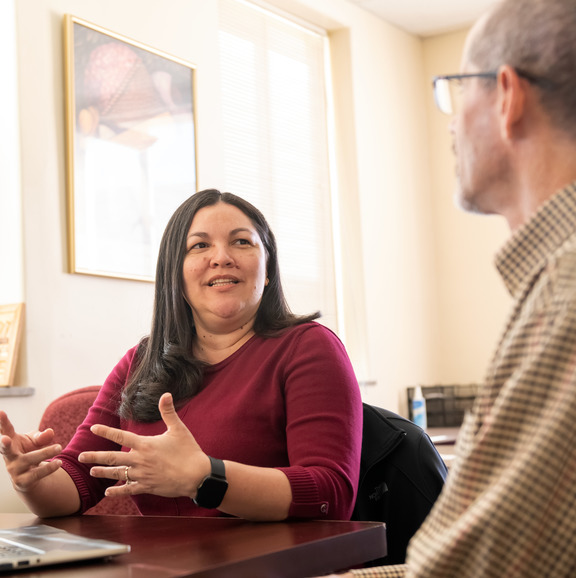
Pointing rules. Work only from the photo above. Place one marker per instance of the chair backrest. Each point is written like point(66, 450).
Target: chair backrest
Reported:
point(64, 415)
point(401, 475)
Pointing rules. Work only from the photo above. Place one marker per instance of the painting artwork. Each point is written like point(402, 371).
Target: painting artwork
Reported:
point(131, 149)
point(11, 319)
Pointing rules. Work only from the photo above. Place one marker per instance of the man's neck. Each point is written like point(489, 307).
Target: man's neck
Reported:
point(544, 170)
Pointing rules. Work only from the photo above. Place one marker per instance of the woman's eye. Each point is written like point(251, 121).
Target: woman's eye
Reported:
point(242, 242)
point(201, 245)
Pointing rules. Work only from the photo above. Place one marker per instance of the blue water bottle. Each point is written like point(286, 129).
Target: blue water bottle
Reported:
point(419, 408)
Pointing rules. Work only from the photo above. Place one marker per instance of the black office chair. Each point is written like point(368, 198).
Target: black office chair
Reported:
point(401, 475)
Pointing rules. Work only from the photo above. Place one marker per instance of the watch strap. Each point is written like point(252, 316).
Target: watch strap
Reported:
point(218, 468)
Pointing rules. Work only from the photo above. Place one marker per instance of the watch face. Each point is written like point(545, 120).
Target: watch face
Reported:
point(211, 492)
point(213, 488)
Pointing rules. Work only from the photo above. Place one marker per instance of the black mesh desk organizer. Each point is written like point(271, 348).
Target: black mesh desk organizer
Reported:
point(445, 404)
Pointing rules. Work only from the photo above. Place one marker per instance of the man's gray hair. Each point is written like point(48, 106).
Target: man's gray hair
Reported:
point(539, 38)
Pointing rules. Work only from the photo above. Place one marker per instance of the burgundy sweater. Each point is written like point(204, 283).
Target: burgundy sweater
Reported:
point(290, 402)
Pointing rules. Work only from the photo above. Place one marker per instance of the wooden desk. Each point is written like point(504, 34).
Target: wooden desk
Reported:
point(444, 438)
point(169, 547)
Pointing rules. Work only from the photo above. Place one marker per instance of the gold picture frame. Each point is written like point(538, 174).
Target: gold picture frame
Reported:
point(130, 149)
point(11, 321)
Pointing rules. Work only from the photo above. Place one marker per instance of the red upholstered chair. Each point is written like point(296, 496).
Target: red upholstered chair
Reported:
point(64, 415)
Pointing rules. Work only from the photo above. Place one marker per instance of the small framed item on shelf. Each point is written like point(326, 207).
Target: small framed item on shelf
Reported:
point(11, 321)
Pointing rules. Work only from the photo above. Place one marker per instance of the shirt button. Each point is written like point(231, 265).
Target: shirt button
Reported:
point(324, 508)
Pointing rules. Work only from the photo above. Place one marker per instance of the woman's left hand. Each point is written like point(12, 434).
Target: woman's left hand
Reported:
point(169, 465)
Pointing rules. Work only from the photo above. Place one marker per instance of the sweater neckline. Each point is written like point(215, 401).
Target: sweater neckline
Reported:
point(213, 367)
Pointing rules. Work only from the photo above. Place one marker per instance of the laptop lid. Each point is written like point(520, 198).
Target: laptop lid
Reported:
point(41, 545)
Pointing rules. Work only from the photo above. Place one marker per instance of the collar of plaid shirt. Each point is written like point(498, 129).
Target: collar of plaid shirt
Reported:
point(526, 252)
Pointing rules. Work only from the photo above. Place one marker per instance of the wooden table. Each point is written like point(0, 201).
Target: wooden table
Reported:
point(444, 438)
point(168, 547)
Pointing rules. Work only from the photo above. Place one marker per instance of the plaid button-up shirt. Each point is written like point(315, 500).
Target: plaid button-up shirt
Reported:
point(509, 506)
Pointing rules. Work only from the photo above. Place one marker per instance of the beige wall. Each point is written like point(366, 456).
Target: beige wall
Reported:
point(472, 303)
point(427, 268)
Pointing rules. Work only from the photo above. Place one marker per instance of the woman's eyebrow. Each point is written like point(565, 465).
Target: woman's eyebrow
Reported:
point(233, 232)
point(198, 234)
point(241, 230)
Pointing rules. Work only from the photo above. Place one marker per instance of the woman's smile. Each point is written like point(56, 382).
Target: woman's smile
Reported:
point(223, 281)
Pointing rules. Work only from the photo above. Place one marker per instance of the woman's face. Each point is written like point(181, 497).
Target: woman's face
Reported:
point(224, 270)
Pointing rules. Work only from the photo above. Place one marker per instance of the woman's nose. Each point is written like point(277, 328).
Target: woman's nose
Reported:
point(221, 257)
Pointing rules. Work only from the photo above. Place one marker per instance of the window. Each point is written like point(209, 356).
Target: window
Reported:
point(275, 143)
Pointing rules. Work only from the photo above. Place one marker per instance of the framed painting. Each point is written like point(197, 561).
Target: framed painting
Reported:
point(11, 320)
point(130, 149)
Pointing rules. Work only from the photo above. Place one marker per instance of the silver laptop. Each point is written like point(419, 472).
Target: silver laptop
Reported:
point(41, 545)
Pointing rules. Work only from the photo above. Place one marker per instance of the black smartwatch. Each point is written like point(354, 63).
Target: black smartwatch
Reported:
point(213, 487)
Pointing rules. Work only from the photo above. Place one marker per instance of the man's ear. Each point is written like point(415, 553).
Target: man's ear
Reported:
point(511, 100)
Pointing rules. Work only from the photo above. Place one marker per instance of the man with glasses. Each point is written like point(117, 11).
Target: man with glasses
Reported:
point(508, 508)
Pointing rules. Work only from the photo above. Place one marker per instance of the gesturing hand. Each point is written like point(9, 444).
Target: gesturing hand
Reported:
point(25, 454)
point(169, 465)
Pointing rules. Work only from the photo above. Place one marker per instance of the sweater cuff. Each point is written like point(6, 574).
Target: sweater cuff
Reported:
point(88, 497)
point(306, 502)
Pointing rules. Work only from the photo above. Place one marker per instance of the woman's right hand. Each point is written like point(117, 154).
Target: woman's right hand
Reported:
point(25, 455)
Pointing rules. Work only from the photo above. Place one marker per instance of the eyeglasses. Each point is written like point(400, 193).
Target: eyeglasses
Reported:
point(448, 89)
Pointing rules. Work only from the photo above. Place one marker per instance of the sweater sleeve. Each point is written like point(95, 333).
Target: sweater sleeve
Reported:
point(103, 411)
point(324, 426)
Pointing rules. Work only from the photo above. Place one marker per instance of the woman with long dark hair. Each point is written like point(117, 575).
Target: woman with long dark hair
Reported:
point(232, 404)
